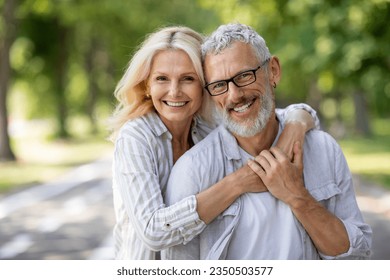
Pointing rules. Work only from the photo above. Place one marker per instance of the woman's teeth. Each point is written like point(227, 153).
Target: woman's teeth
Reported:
point(175, 104)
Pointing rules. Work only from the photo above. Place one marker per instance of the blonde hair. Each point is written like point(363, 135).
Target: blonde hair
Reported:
point(131, 91)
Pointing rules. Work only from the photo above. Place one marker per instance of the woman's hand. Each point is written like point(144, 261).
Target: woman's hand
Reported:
point(298, 122)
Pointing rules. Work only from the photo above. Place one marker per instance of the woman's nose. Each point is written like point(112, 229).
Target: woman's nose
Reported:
point(174, 89)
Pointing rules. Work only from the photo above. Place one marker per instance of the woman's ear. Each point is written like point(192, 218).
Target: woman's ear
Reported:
point(275, 71)
point(146, 88)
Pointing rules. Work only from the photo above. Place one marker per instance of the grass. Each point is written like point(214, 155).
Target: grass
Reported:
point(370, 157)
point(40, 159)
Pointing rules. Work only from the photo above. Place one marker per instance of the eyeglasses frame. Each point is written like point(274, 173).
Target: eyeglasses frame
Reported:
point(232, 79)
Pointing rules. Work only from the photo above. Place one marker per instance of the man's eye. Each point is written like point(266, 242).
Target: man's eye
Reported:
point(218, 85)
point(244, 76)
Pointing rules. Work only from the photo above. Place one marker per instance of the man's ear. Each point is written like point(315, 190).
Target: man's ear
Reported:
point(275, 71)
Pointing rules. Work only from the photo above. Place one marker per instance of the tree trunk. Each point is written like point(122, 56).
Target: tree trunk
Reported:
point(62, 60)
point(362, 124)
point(6, 153)
point(314, 100)
point(337, 128)
point(92, 86)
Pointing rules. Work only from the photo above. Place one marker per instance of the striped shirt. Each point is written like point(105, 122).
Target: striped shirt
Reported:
point(143, 159)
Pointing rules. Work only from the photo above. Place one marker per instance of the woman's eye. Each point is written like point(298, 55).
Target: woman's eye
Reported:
point(161, 78)
point(189, 78)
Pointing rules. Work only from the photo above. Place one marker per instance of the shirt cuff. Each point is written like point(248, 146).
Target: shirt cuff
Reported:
point(185, 219)
point(284, 112)
point(354, 252)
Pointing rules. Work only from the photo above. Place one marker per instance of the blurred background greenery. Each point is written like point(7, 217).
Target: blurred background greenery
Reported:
point(60, 61)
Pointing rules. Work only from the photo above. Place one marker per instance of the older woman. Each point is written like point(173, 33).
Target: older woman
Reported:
point(159, 116)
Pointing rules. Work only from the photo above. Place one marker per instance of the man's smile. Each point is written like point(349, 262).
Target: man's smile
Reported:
point(244, 107)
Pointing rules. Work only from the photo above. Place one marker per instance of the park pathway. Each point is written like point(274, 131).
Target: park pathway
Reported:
point(374, 202)
point(69, 219)
point(72, 218)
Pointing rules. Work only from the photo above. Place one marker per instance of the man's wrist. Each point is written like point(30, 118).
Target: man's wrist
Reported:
point(303, 202)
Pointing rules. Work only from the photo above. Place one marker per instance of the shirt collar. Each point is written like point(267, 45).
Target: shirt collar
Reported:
point(229, 144)
point(156, 125)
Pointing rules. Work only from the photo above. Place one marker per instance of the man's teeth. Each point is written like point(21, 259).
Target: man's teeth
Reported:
point(243, 107)
point(175, 104)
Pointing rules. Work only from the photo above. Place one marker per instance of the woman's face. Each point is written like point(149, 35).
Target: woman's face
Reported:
point(175, 87)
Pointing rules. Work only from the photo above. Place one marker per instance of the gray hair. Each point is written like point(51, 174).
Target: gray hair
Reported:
point(226, 35)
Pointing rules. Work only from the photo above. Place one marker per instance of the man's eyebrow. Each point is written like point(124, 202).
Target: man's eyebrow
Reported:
point(237, 73)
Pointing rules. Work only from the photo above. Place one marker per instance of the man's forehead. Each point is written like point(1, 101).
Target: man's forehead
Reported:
point(235, 50)
point(230, 61)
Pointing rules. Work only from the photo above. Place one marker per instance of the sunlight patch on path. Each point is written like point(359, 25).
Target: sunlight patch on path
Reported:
point(17, 245)
point(28, 197)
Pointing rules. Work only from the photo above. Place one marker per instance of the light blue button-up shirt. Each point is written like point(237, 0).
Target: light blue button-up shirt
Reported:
point(143, 159)
point(326, 176)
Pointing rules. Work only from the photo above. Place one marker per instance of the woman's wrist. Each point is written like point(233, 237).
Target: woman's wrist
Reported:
point(246, 181)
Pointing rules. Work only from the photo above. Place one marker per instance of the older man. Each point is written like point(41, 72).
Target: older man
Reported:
point(310, 209)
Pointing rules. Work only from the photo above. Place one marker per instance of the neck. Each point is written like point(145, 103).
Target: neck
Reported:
point(181, 139)
point(262, 140)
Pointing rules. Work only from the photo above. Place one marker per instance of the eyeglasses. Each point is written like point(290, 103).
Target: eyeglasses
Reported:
point(240, 80)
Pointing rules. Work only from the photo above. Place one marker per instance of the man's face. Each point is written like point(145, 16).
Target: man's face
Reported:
point(245, 110)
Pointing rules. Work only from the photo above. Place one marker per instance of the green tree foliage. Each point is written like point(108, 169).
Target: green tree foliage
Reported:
point(69, 54)
point(332, 52)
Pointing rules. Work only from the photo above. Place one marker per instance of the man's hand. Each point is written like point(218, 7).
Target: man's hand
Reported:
point(283, 179)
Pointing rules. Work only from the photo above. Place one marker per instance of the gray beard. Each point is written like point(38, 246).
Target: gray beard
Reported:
point(250, 127)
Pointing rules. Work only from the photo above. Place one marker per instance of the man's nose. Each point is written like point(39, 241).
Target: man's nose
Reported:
point(235, 93)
